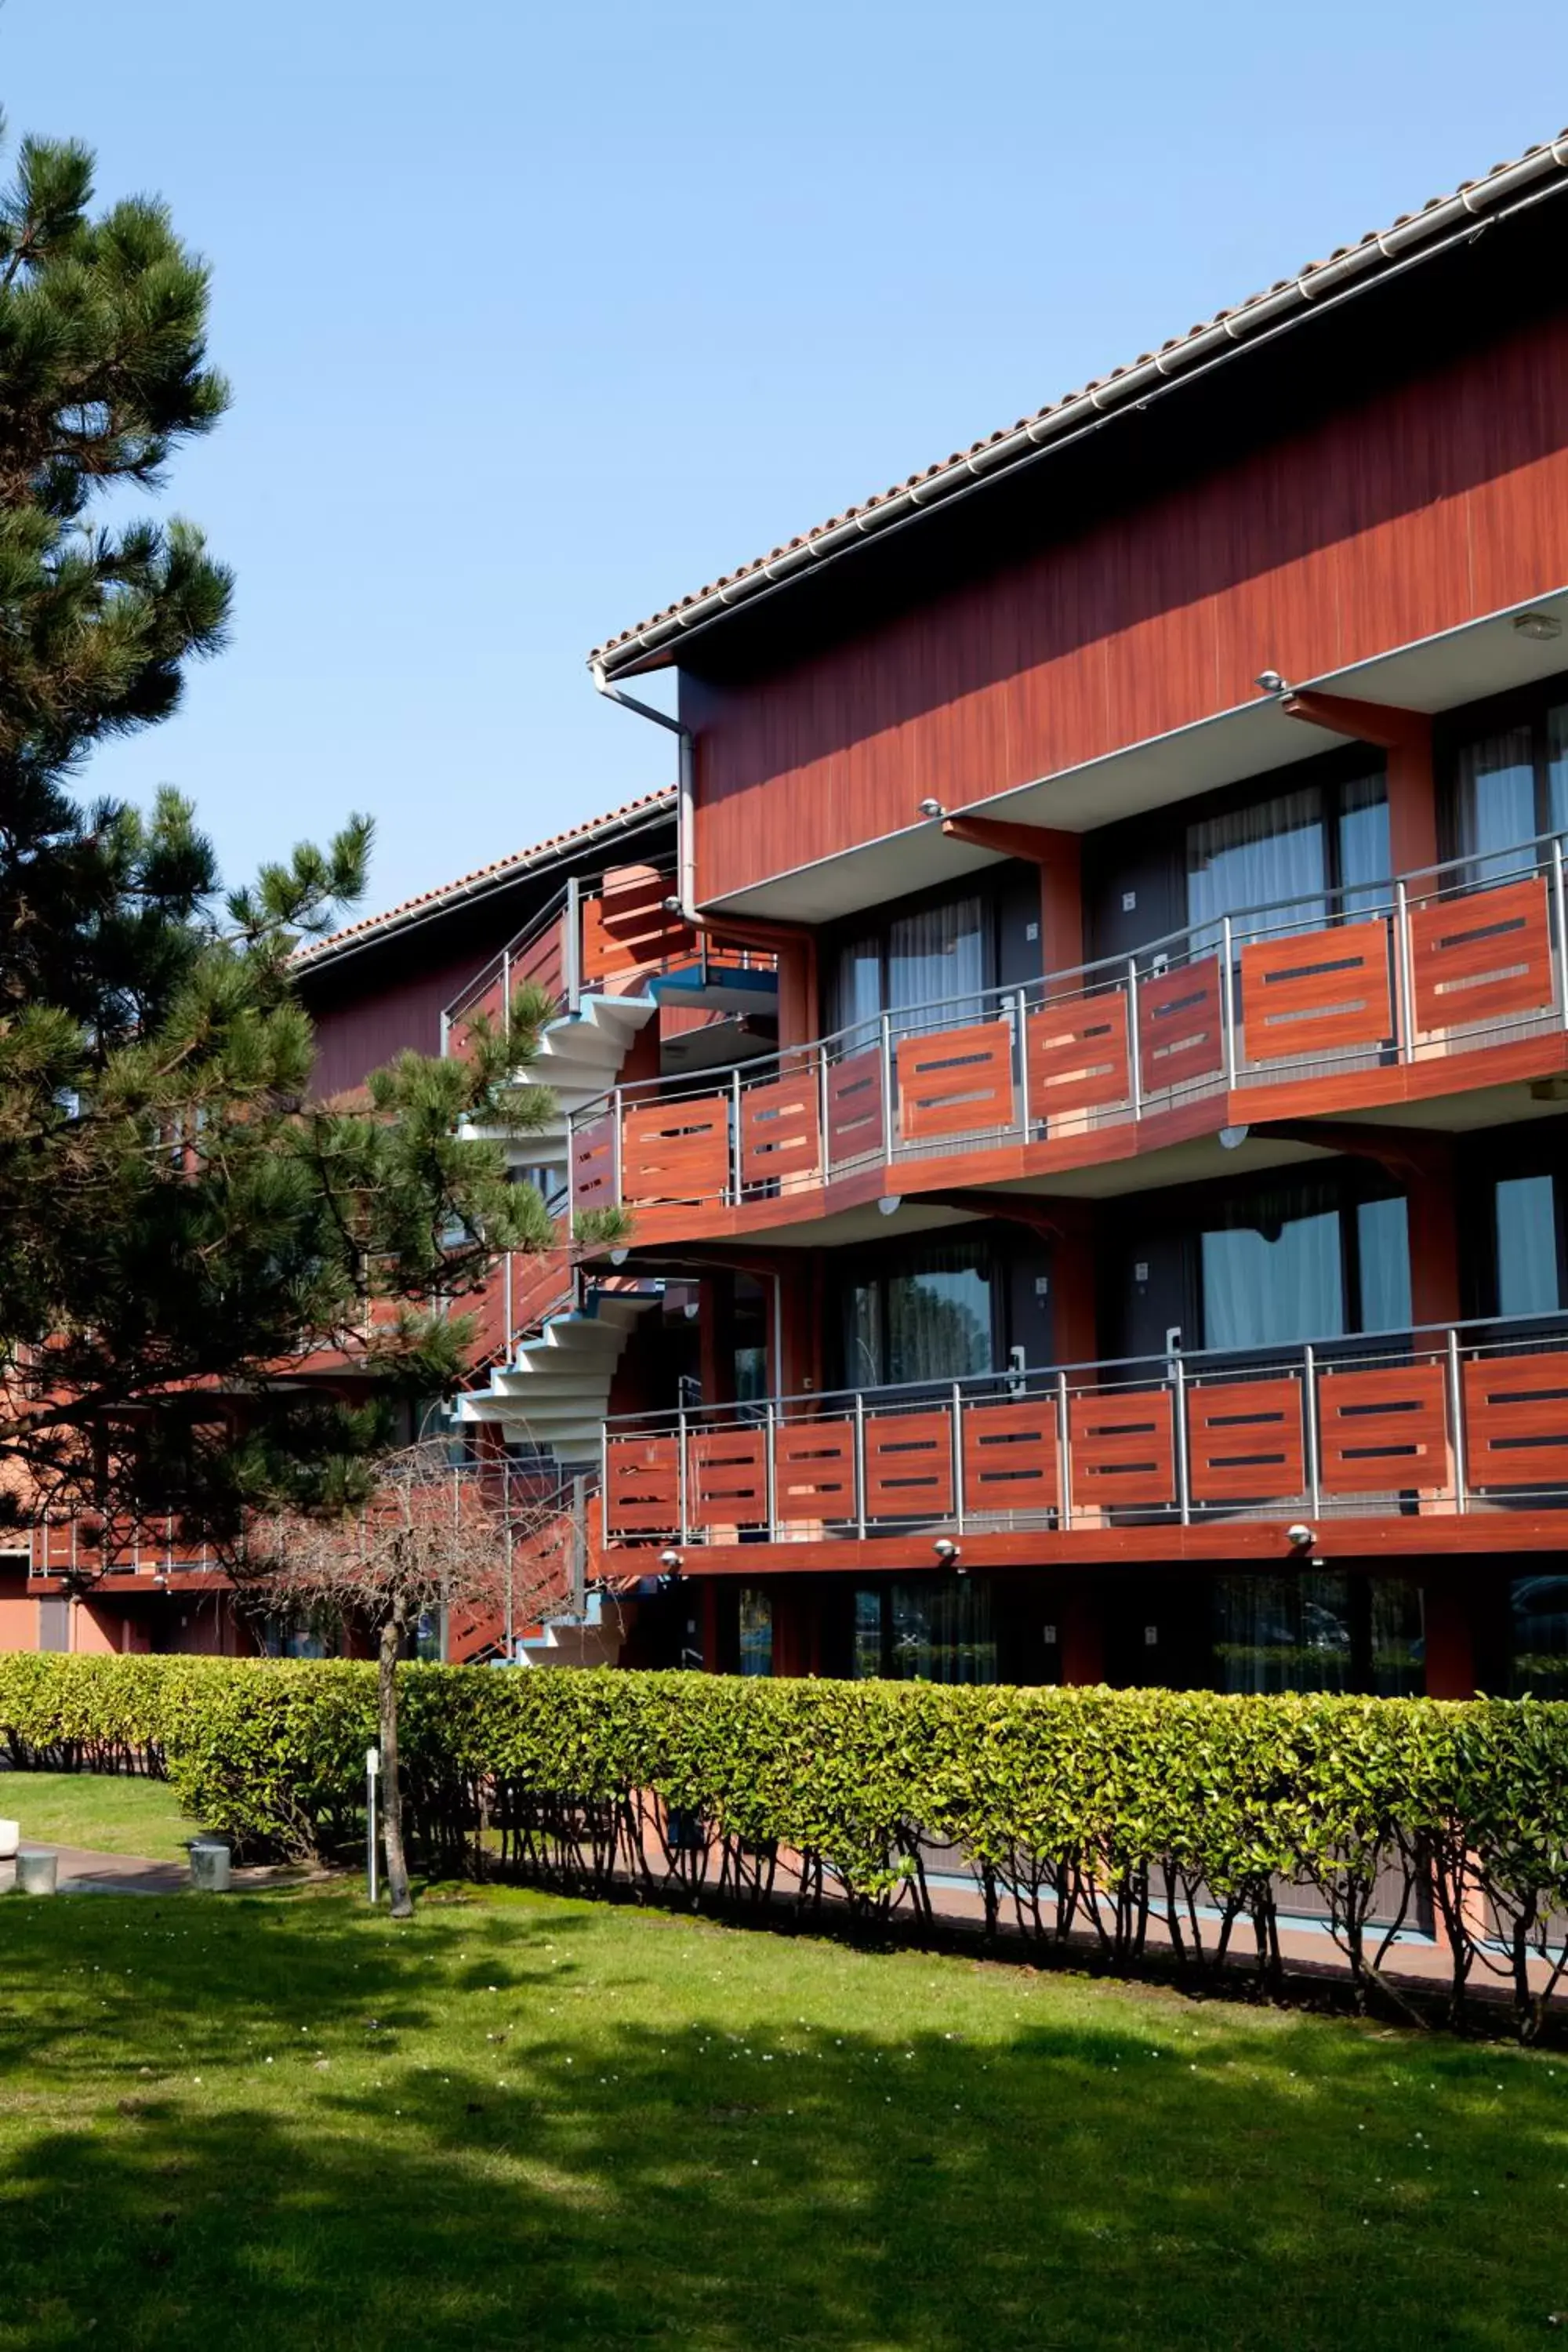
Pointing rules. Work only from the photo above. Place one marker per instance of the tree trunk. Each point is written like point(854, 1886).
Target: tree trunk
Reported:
point(391, 1791)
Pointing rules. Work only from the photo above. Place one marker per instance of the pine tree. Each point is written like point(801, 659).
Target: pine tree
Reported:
point(181, 1224)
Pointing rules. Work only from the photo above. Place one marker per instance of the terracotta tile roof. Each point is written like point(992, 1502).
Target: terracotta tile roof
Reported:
point(1411, 233)
point(487, 877)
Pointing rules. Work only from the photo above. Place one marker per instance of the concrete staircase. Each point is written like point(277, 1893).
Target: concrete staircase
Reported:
point(580, 1058)
point(591, 1640)
point(554, 1393)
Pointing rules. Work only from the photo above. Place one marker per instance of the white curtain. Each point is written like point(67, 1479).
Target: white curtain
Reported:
point(1496, 807)
point(1253, 858)
point(1274, 1275)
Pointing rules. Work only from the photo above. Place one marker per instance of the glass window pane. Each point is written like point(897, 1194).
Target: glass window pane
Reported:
point(1282, 1632)
point(1382, 1239)
point(1540, 1619)
point(1527, 1246)
point(1255, 857)
point(864, 1364)
point(854, 999)
point(937, 959)
point(939, 1317)
point(1557, 769)
point(756, 1631)
point(1273, 1278)
point(1365, 858)
point(1398, 1638)
point(942, 1632)
point(1496, 807)
point(867, 1634)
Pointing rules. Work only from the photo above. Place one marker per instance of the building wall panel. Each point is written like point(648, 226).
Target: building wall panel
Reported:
point(1398, 517)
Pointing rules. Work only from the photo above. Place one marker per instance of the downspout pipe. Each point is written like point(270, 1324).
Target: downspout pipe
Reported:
point(685, 844)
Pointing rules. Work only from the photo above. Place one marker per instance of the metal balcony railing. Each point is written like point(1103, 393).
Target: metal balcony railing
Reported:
point(1442, 1420)
point(1457, 959)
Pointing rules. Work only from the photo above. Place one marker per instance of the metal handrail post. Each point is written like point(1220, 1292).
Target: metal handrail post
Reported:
point(605, 1477)
point(1310, 1428)
point(1405, 994)
point(823, 1151)
point(860, 1464)
point(1227, 1002)
point(1135, 1061)
point(1457, 1415)
point(506, 992)
point(956, 1439)
point(615, 1143)
point(770, 1470)
point(1064, 1483)
point(1179, 1415)
point(886, 1050)
point(680, 1469)
point(735, 1154)
point(1021, 1024)
point(572, 961)
point(1560, 912)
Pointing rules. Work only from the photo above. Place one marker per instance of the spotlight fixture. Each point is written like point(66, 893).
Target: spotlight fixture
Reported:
point(672, 906)
point(890, 1204)
point(932, 808)
point(946, 1551)
point(1270, 682)
point(1231, 1139)
point(1299, 1538)
point(1539, 628)
point(671, 1560)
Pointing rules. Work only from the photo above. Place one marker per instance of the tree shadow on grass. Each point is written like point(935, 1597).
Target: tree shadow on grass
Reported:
point(1105, 2171)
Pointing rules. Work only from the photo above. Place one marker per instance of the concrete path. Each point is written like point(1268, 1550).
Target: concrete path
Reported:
point(83, 1872)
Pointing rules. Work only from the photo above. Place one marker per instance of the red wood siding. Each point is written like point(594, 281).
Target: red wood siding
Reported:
point(1414, 512)
point(353, 1039)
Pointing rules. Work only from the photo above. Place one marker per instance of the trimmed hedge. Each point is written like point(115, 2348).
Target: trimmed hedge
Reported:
point(1073, 1810)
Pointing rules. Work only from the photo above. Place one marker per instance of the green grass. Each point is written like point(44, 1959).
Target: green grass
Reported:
point(280, 2121)
point(108, 1814)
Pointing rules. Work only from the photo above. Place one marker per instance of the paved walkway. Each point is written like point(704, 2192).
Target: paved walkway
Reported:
point(83, 1872)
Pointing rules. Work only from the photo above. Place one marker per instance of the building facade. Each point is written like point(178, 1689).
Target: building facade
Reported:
point(1143, 1255)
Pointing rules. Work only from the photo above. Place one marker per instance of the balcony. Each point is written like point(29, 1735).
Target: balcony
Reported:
point(616, 936)
point(1439, 982)
point(1444, 1439)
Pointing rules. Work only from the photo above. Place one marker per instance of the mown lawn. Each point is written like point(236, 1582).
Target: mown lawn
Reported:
point(278, 2121)
point(109, 1813)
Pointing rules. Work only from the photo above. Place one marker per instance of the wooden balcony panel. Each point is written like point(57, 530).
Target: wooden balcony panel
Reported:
point(541, 960)
point(643, 1479)
point(594, 1164)
point(1486, 955)
point(628, 929)
point(1180, 1032)
point(955, 1081)
point(1009, 1454)
point(909, 1465)
point(1077, 1055)
point(1319, 993)
point(1384, 1431)
point(813, 1471)
point(855, 1108)
point(1120, 1449)
point(1245, 1441)
point(540, 1285)
point(1516, 1420)
point(727, 1478)
point(781, 1128)
point(675, 1150)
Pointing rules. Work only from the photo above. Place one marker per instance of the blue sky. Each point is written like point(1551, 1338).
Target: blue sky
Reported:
point(541, 316)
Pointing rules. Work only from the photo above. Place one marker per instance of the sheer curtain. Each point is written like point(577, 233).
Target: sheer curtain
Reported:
point(855, 998)
point(1273, 1274)
point(1365, 857)
point(1557, 767)
point(1527, 1278)
point(938, 1316)
point(936, 960)
point(1283, 1632)
point(1254, 857)
point(1496, 806)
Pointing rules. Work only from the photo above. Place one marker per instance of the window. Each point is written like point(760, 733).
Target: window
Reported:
point(927, 1318)
point(938, 1631)
point(930, 968)
point(1539, 1612)
point(1511, 787)
point(1528, 1257)
point(1324, 846)
point(756, 1616)
point(1291, 1262)
point(1320, 1631)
